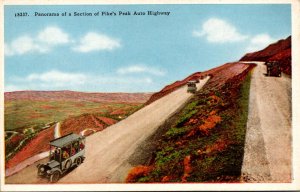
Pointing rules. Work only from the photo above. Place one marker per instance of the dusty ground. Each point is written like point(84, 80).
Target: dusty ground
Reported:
point(267, 155)
point(108, 151)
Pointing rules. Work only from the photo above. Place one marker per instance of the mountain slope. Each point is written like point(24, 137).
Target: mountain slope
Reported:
point(280, 51)
point(204, 141)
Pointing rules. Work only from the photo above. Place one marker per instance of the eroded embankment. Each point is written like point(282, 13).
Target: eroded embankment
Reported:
point(204, 142)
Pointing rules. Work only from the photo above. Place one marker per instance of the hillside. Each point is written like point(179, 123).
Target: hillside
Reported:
point(77, 96)
point(204, 142)
point(201, 143)
point(198, 75)
point(30, 117)
point(279, 51)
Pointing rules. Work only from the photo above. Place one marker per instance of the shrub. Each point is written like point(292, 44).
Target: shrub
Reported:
point(209, 123)
point(175, 132)
point(138, 172)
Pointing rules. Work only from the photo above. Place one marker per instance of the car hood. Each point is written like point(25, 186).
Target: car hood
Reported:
point(53, 164)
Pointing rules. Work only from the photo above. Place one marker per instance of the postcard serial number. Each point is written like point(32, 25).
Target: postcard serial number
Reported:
point(21, 14)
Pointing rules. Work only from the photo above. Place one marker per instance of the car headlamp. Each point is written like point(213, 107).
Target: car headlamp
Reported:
point(42, 169)
point(48, 171)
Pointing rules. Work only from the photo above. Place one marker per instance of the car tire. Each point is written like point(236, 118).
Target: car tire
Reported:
point(40, 172)
point(68, 164)
point(78, 161)
point(55, 177)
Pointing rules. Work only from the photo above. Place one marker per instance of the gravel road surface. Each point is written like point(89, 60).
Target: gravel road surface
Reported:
point(267, 155)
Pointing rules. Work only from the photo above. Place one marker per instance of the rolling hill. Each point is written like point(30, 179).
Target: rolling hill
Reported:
point(30, 117)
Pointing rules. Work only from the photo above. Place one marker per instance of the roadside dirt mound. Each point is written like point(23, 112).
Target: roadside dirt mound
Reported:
point(107, 121)
point(80, 123)
point(280, 51)
point(118, 112)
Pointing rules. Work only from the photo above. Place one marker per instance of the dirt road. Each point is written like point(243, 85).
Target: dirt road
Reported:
point(267, 155)
point(108, 151)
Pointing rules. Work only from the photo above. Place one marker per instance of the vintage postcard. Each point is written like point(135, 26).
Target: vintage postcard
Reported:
point(172, 95)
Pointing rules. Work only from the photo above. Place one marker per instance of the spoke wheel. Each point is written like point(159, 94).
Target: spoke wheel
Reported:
point(55, 177)
point(68, 164)
point(78, 161)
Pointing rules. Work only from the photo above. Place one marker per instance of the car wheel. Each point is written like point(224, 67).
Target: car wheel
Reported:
point(68, 164)
point(78, 161)
point(41, 170)
point(55, 177)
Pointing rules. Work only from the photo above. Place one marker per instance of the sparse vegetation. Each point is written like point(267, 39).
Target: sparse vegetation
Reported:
point(206, 142)
point(24, 120)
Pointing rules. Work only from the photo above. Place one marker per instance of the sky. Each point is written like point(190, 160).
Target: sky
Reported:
point(131, 53)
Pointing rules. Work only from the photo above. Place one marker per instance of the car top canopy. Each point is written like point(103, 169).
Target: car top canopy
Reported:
point(65, 140)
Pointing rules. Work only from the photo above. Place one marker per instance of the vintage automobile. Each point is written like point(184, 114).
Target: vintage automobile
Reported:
point(273, 68)
point(65, 152)
point(191, 87)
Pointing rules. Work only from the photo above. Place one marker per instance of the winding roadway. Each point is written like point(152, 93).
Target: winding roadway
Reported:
point(108, 151)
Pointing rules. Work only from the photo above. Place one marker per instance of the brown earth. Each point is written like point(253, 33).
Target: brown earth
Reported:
point(107, 121)
point(280, 51)
point(31, 149)
point(198, 75)
point(118, 112)
point(77, 96)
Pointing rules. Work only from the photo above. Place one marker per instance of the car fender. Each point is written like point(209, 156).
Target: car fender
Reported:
point(56, 169)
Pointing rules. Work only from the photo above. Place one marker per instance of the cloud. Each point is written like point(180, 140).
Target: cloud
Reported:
point(49, 80)
point(219, 31)
point(138, 69)
point(59, 80)
point(96, 42)
point(55, 76)
point(259, 41)
point(42, 43)
point(53, 36)
point(22, 45)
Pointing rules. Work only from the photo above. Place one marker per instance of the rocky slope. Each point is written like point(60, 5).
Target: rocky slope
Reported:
point(279, 51)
